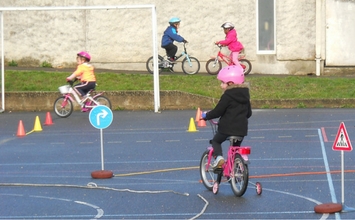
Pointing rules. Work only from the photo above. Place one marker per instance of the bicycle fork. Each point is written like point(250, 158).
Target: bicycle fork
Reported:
point(188, 59)
point(66, 97)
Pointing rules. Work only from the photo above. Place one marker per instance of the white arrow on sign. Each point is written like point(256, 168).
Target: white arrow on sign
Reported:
point(103, 114)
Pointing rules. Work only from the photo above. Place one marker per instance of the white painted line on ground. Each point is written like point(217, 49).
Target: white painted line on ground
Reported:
point(114, 142)
point(172, 140)
point(329, 177)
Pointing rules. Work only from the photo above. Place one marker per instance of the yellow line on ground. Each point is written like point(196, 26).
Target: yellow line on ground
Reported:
point(30, 132)
point(156, 171)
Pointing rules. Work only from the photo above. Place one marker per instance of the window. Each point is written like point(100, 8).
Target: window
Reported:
point(265, 26)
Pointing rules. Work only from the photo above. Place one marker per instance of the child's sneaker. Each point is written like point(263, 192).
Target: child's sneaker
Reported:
point(84, 109)
point(171, 60)
point(219, 161)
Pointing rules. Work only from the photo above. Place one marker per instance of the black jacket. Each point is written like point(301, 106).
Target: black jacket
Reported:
point(234, 109)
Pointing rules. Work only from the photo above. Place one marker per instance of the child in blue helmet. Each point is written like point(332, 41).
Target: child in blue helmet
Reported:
point(170, 35)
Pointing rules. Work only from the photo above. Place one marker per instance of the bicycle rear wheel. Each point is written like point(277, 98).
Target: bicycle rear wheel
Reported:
point(102, 100)
point(191, 67)
point(150, 64)
point(213, 66)
point(208, 177)
point(246, 66)
point(63, 107)
point(239, 182)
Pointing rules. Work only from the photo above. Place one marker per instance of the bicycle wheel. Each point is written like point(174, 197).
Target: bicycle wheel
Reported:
point(63, 107)
point(246, 66)
point(239, 181)
point(102, 100)
point(150, 64)
point(213, 66)
point(208, 177)
point(191, 67)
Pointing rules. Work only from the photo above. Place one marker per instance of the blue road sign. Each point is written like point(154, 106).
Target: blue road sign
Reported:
point(100, 117)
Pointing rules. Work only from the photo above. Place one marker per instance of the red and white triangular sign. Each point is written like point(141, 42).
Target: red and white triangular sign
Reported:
point(342, 141)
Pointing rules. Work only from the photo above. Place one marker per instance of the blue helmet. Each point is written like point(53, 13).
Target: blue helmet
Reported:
point(174, 20)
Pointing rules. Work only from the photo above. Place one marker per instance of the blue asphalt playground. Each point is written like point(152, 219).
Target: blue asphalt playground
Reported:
point(47, 174)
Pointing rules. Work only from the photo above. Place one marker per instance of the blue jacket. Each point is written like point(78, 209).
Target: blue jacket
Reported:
point(170, 35)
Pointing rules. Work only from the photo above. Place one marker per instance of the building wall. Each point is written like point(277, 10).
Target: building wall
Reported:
point(122, 39)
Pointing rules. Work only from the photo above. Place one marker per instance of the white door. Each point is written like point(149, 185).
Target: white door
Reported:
point(340, 33)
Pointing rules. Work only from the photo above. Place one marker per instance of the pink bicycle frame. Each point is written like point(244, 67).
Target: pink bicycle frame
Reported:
point(68, 96)
point(227, 59)
point(233, 150)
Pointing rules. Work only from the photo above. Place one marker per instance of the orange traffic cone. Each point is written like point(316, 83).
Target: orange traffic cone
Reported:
point(48, 119)
point(21, 130)
point(201, 123)
point(198, 114)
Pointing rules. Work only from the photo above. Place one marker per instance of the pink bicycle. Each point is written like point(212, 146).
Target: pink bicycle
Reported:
point(63, 105)
point(214, 65)
point(235, 168)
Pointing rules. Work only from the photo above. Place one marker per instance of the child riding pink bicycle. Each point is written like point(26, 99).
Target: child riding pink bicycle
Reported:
point(233, 111)
point(214, 65)
point(231, 41)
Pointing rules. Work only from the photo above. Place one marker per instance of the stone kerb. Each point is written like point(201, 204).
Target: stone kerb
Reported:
point(121, 100)
point(169, 100)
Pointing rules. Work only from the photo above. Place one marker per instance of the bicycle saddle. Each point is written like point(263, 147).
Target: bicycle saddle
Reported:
point(234, 139)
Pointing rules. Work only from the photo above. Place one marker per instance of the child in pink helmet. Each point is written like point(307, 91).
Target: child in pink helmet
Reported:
point(231, 41)
point(233, 110)
point(84, 72)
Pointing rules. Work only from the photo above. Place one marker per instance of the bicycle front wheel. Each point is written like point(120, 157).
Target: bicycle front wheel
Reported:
point(246, 66)
point(239, 182)
point(213, 66)
point(102, 100)
point(191, 67)
point(208, 177)
point(63, 107)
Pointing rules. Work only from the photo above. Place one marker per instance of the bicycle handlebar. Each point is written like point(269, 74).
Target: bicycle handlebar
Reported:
point(71, 82)
point(213, 122)
point(220, 46)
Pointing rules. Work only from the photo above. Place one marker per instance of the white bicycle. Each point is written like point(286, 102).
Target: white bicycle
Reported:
point(63, 106)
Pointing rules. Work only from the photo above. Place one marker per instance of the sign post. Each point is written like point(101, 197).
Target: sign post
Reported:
point(342, 143)
point(101, 117)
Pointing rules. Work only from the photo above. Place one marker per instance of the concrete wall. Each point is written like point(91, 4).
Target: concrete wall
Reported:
point(122, 39)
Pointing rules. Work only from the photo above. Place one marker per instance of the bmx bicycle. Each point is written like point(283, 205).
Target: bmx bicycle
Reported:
point(235, 168)
point(214, 65)
point(63, 106)
point(190, 65)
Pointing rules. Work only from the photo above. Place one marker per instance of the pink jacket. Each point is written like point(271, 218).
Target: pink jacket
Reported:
point(232, 41)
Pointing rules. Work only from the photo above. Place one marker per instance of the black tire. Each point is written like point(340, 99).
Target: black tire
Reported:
point(258, 188)
point(150, 64)
point(208, 177)
point(102, 100)
point(246, 66)
point(213, 66)
point(239, 182)
point(63, 108)
point(193, 69)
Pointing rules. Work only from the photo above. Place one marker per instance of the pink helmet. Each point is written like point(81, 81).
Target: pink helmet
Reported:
point(233, 74)
point(84, 54)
